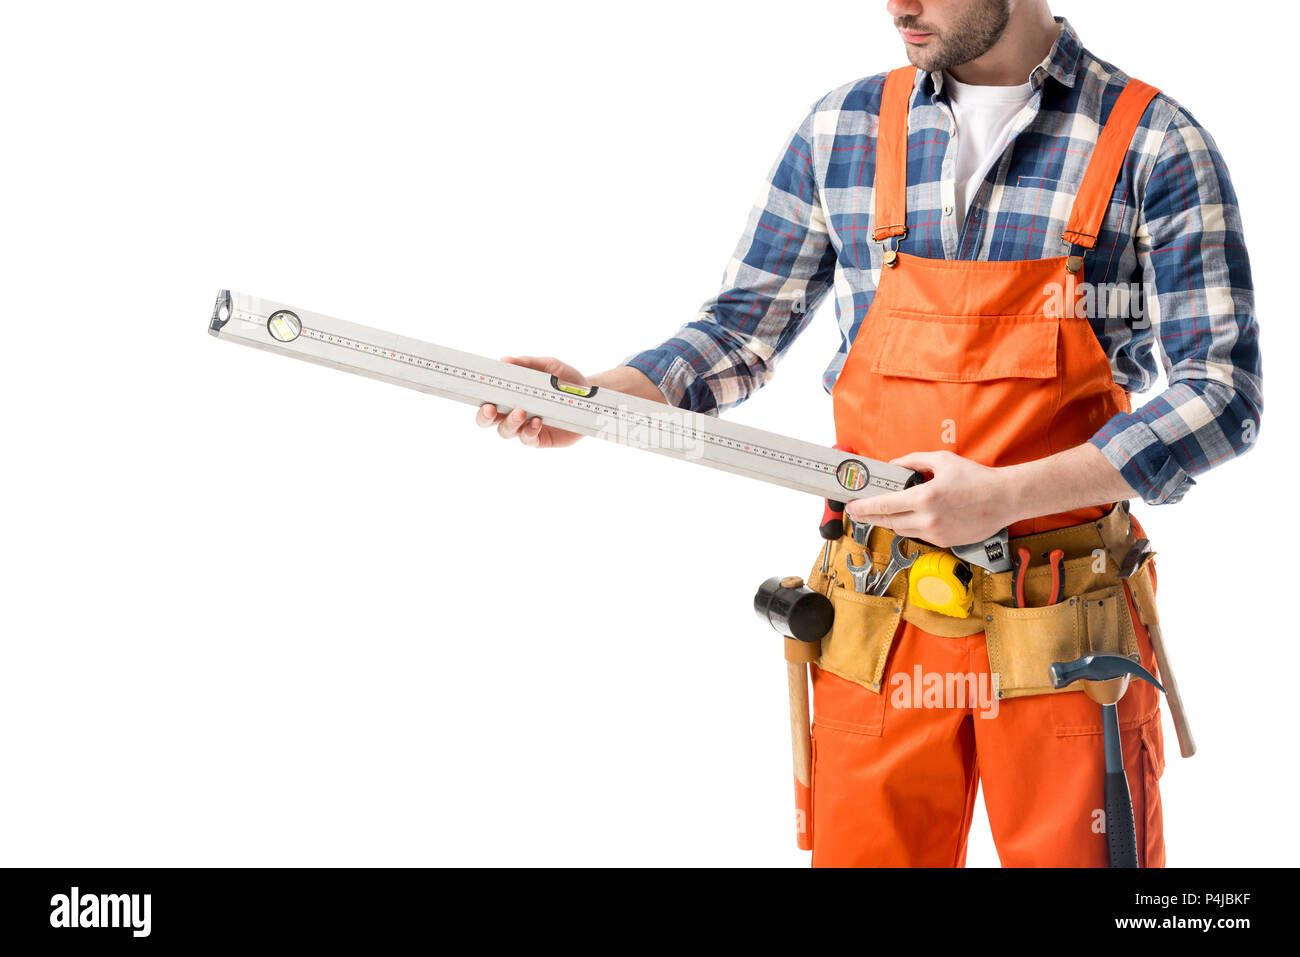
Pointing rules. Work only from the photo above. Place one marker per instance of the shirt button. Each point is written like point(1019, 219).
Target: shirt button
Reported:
point(947, 210)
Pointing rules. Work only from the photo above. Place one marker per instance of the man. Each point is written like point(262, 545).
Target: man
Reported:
point(955, 209)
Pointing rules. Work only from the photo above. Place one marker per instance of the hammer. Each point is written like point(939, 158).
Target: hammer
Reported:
point(1147, 613)
point(1105, 679)
point(803, 617)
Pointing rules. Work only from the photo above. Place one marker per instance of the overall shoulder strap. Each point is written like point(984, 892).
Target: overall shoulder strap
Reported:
point(891, 155)
point(1089, 210)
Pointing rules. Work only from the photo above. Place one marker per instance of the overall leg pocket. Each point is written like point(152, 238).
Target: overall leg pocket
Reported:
point(1151, 825)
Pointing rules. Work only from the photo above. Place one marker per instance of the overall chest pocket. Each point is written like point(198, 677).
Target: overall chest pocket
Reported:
point(940, 348)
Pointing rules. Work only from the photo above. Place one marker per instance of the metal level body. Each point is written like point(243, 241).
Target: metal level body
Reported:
point(627, 419)
point(590, 410)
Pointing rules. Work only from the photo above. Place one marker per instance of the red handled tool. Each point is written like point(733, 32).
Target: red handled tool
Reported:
point(832, 526)
point(1020, 570)
point(1056, 560)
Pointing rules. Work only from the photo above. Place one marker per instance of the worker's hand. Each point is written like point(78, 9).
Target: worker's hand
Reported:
point(517, 424)
point(962, 502)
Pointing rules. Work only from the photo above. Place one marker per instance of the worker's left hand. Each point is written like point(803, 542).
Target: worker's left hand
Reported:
point(962, 502)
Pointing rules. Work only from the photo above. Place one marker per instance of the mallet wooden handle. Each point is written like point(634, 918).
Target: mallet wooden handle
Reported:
point(797, 656)
point(804, 617)
point(801, 739)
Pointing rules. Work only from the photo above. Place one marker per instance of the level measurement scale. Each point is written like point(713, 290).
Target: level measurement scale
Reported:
point(589, 410)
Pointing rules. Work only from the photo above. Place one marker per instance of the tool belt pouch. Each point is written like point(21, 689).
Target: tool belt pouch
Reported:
point(1023, 642)
point(857, 649)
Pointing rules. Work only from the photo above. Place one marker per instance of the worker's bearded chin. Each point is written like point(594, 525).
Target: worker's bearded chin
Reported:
point(969, 38)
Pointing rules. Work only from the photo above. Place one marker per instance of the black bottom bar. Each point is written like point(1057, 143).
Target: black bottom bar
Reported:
point(374, 907)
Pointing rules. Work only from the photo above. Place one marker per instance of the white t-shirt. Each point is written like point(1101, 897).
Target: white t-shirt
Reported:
point(984, 116)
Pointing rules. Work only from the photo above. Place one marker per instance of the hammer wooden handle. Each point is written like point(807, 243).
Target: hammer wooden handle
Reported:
point(1186, 745)
point(1141, 588)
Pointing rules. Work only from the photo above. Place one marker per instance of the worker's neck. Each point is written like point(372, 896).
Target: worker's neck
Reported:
point(1024, 44)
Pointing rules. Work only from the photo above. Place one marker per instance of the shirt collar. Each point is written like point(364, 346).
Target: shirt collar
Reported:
point(1061, 63)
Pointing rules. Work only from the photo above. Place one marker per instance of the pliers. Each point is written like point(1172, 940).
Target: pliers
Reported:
point(1020, 569)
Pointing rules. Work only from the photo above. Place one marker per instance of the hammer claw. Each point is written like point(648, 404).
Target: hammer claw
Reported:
point(1098, 668)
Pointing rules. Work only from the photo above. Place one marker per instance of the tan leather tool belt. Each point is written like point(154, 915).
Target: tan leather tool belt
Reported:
point(1092, 617)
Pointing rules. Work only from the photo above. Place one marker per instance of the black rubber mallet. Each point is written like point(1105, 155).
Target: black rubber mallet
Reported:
point(803, 617)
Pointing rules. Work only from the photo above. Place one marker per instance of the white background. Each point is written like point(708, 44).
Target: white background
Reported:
point(260, 612)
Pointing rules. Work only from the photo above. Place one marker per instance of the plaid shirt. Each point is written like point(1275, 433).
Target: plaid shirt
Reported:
point(1172, 236)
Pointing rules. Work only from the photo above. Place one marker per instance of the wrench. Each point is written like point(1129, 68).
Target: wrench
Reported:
point(863, 577)
point(897, 563)
point(860, 532)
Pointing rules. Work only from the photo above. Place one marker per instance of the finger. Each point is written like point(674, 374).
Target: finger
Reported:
point(550, 365)
point(914, 532)
point(487, 415)
point(530, 433)
point(880, 507)
point(509, 426)
point(540, 363)
point(885, 523)
point(908, 524)
point(920, 461)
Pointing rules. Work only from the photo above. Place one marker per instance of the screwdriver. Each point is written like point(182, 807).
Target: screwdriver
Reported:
point(832, 527)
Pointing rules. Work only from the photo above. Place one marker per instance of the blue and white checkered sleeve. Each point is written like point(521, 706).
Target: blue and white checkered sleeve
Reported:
point(1201, 305)
point(783, 266)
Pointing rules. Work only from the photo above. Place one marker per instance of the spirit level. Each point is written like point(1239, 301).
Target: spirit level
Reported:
point(590, 410)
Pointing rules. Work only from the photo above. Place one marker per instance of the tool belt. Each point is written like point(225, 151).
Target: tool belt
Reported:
point(1092, 616)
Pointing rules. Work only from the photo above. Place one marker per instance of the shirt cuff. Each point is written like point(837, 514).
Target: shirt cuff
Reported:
point(676, 378)
point(1146, 463)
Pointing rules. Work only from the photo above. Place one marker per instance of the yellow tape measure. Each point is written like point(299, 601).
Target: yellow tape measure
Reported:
point(940, 581)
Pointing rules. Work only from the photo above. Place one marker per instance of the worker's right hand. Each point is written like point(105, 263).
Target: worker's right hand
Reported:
point(517, 424)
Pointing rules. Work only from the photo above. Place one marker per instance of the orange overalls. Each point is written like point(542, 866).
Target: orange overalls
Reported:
point(967, 356)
